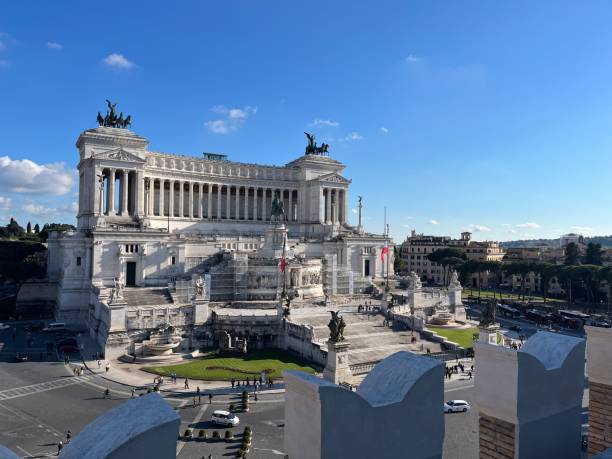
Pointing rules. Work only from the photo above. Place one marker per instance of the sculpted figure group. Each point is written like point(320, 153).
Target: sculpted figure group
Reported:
point(112, 120)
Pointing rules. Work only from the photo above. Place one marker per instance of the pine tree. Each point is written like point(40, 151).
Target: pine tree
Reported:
point(29, 228)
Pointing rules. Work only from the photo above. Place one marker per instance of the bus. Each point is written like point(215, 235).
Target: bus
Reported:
point(508, 311)
point(537, 316)
point(573, 319)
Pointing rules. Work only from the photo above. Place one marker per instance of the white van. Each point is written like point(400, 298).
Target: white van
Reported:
point(55, 326)
point(224, 418)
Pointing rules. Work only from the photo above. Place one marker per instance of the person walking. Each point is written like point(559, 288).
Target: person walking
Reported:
point(186, 383)
point(60, 446)
point(107, 393)
point(199, 395)
point(132, 393)
point(233, 382)
point(68, 436)
point(107, 366)
point(210, 397)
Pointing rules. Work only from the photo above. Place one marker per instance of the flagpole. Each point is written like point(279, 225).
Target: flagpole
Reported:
point(384, 234)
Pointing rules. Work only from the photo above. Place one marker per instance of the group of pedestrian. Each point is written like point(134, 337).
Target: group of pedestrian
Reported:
point(173, 377)
point(256, 383)
point(456, 369)
point(78, 371)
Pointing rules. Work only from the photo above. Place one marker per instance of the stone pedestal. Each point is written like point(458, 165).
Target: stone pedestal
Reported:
point(530, 401)
point(117, 315)
point(337, 369)
point(599, 370)
point(274, 241)
point(201, 311)
point(488, 334)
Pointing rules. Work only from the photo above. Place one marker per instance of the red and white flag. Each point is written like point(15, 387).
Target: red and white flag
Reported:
point(384, 251)
point(283, 261)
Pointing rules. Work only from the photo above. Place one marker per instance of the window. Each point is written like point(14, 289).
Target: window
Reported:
point(173, 261)
point(78, 261)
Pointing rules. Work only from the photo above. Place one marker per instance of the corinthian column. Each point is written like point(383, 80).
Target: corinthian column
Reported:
point(218, 201)
point(228, 196)
point(139, 194)
point(171, 199)
point(200, 203)
point(255, 191)
point(328, 206)
point(290, 205)
point(209, 203)
point(246, 203)
point(160, 210)
point(110, 193)
point(124, 193)
point(181, 199)
point(190, 213)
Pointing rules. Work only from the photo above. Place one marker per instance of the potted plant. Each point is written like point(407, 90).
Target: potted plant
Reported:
point(215, 435)
point(245, 401)
point(188, 434)
point(229, 436)
point(202, 435)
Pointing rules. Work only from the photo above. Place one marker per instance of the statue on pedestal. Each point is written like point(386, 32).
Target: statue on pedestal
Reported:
point(414, 281)
point(487, 318)
point(200, 288)
point(454, 280)
point(336, 327)
point(278, 209)
point(117, 292)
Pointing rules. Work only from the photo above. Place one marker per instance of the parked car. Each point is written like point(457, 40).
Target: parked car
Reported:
point(4, 327)
point(68, 348)
point(33, 327)
point(456, 406)
point(224, 418)
point(21, 358)
point(68, 341)
point(55, 326)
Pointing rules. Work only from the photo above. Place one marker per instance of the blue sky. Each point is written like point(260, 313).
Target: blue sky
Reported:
point(487, 116)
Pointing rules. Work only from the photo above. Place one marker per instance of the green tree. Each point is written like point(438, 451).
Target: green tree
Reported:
point(568, 274)
point(546, 271)
point(14, 230)
point(29, 228)
point(49, 227)
point(36, 229)
point(520, 269)
point(449, 257)
point(594, 254)
point(399, 265)
point(572, 254)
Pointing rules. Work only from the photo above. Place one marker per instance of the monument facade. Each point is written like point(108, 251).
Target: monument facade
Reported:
point(150, 224)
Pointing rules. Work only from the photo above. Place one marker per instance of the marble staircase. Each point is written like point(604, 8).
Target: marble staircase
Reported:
point(146, 296)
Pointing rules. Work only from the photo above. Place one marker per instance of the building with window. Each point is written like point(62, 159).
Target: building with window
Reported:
point(415, 249)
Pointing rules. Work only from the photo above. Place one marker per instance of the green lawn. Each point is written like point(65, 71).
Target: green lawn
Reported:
point(216, 368)
point(505, 295)
point(463, 337)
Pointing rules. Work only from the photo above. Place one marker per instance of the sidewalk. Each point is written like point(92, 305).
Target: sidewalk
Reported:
point(130, 374)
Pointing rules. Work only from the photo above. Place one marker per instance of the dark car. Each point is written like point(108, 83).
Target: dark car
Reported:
point(69, 341)
point(68, 348)
point(33, 327)
point(21, 358)
point(515, 328)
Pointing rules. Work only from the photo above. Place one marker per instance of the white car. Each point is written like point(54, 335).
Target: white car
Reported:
point(4, 327)
point(225, 418)
point(456, 406)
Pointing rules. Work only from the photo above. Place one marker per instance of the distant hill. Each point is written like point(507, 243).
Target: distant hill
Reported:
point(605, 241)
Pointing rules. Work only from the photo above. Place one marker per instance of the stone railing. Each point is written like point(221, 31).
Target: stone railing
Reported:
point(363, 368)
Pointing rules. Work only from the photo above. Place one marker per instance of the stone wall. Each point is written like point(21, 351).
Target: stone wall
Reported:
point(496, 438)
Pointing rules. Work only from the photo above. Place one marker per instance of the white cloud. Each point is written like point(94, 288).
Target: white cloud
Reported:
point(218, 126)
point(54, 45)
point(529, 225)
point(5, 203)
point(384, 129)
point(232, 119)
point(354, 136)
point(433, 222)
point(355, 211)
point(25, 176)
point(320, 122)
point(480, 228)
point(412, 59)
point(118, 61)
point(35, 209)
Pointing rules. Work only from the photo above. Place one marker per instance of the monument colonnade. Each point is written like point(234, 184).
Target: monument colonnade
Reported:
point(128, 192)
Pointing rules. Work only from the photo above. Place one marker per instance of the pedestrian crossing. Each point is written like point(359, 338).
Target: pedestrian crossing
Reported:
point(32, 389)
